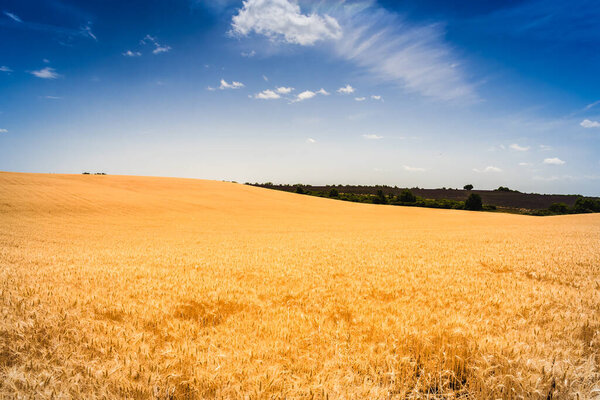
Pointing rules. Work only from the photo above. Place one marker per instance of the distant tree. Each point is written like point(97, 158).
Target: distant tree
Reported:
point(300, 190)
point(559, 208)
point(380, 198)
point(334, 193)
point(586, 204)
point(468, 187)
point(474, 202)
point(407, 197)
point(503, 189)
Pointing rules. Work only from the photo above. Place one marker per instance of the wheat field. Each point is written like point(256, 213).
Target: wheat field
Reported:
point(135, 287)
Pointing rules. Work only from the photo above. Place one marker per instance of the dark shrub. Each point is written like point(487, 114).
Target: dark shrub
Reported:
point(300, 190)
point(407, 197)
point(468, 187)
point(334, 193)
point(559, 208)
point(380, 198)
point(503, 189)
point(474, 202)
point(585, 204)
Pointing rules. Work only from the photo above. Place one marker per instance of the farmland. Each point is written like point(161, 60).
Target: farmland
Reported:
point(137, 287)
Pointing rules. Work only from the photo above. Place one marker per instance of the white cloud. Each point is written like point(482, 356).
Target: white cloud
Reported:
point(586, 123)
point(283, 20)
point(3, 130)
point(211, 89)
point(13, 16)
point(372, 136)
point(284, 90)
point(46, 73)
point(346, 89)
point(311, 140)
point(309, 94)
point(267, 95)
point(130, 53)
point(554, 161)
point(490, 168)
point(516, 147)
point(232, 85)
point(524, 164)
point(374, 97)
point(544, 147)
point(161, 49)
point(360, 98)
point(4, 68)
point(158, 48)
point(413, 169)
point(249, 54)
point(53, 97)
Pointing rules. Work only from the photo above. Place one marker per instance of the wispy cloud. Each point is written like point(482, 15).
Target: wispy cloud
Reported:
point(130, 53)
point(4, 68)
point(544, 147)
point(415, 57)
point(158, 48)
point(46, 73)
point(360, 98)
point(267, 95)
point(248, 54)
point(2, 130)
point(554, 161)
point(413, 169)
point(586, 123)
point(13, 17)
point(591, 105)
point(372, 136)
point(490, 168)
point(283, 20)
point(346, 90)
point(233, 85)
point(52, 97)
point(524, 164)
point(517, 147)
point(311, 140)
point(376, 97)
point(266, 78)
point(87, 31)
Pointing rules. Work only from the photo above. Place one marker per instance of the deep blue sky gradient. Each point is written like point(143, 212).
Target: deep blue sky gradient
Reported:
point(532, 68)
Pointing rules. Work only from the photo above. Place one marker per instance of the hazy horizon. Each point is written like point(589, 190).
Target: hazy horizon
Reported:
point(417, 93)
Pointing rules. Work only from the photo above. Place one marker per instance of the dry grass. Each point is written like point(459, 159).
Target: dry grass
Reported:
point(124, 287)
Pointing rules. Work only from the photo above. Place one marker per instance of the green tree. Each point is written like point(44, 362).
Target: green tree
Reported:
point(474, 202)
point(407, 197)
point(380, 198)
point(334, 193)
point(300, 190)
point(559, 208)
point(468, 187)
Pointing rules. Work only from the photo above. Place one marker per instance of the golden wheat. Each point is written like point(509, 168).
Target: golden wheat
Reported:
point(129, 287)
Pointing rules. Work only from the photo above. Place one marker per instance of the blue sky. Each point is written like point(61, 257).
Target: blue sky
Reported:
point(424, 93)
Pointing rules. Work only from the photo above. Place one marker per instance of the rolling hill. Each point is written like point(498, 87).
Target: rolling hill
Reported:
point(140, 287)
